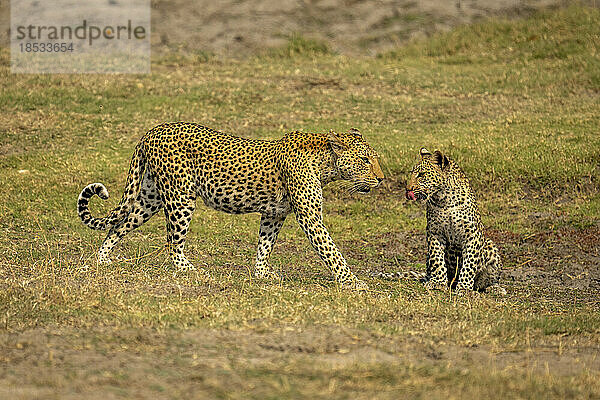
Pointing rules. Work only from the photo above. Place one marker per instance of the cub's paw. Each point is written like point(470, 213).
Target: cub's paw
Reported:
point(464, 293)
point(432, 285)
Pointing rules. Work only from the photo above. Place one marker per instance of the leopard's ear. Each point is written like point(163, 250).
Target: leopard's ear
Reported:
point(355, 132)
point(424, 153)
point(335, 143)
point(440, 159)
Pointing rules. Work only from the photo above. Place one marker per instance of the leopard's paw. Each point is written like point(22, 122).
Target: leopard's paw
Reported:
point(360, 285)
point(104, 260)
point(185, 266)
point(267, 274)
point(432, 285)
point(354, 284)
point(496, 290)
point(464, 292)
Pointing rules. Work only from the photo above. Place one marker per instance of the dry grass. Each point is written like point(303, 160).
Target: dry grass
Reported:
point(521, 122)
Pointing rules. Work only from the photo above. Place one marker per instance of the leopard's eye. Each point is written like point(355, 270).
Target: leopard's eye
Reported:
point(420, 175)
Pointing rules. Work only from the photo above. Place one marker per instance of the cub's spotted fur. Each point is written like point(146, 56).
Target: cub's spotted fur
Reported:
point(458, 253)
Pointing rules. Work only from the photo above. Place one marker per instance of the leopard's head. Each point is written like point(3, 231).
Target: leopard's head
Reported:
point(427, 176)
point(356, 161)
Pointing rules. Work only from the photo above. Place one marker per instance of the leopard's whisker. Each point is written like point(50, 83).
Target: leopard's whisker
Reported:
point(357, 187)
point(341, 185)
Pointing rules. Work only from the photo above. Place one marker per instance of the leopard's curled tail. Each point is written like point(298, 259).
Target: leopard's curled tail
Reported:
point(130, 194)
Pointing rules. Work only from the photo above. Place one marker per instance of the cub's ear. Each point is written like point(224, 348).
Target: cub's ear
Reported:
point(355, 132)
point(335, 142)
point(440, 159)
point(424, 153)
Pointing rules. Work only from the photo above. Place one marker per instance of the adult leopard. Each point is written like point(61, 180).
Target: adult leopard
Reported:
point(175, 163)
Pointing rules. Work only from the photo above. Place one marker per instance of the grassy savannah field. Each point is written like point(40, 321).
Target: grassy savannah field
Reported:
point(516, 103)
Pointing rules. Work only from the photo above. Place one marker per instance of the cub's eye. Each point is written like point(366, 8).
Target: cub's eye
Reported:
point(366, 160)
point(420, 175)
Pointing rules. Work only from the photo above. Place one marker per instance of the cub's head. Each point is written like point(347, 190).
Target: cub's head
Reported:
point(427, 176)
point(355, 160)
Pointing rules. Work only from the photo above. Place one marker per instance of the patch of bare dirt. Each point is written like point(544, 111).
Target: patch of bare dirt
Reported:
point(234, 27)
point(67, 363)
point(562, 265)
point(565, 263)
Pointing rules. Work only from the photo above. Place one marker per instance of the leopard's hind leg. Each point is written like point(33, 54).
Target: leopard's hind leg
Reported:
point(488, 279)
point(270, 225)
point(178, 194)
point(146, 205)
point(178, 213)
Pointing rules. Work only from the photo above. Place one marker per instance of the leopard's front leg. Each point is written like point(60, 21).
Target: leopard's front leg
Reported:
point(312, 225)
point(306, 197)
point(437, 271)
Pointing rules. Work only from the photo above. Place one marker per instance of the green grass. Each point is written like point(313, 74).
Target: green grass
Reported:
point(300, 46)
point(514, 102)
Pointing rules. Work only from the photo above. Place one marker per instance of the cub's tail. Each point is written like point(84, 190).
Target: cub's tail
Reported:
point(402, 275)
point(121, 211)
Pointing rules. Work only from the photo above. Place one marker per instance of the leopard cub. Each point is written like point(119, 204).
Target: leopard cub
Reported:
point(458, 254)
